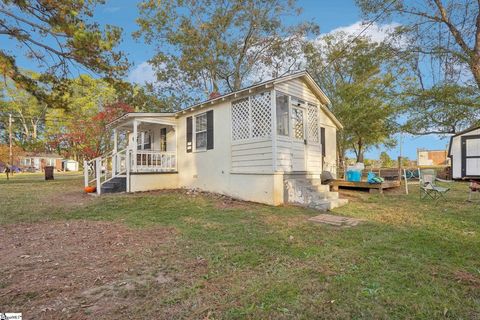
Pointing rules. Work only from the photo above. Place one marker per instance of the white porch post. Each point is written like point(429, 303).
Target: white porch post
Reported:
point(114, 155)
point(273, 105)
point(98, 175)
point(85, 173)
point(135, 144)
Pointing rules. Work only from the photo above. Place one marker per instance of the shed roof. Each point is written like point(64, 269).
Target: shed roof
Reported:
point(459, 134)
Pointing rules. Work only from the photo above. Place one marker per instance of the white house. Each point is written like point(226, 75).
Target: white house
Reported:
point(464, 152)
point(268, 143)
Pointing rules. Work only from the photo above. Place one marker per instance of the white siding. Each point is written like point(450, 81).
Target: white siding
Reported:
point(456, 152)
point(288, 152)
point(252, 156)
point(299, 89)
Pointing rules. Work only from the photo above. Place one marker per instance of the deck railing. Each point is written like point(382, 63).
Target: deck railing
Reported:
point(154, 161)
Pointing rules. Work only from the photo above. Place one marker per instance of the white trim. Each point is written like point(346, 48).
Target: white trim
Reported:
point(273, 105)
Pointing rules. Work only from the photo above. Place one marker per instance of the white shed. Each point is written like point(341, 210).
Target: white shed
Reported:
point(464, 151)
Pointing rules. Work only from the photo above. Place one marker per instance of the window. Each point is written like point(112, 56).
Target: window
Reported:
point(144, 140)
point(282, 114)
point(201, 131)
point(163, 139)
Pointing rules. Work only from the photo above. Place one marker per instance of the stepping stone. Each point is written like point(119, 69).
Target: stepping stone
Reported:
point(333, 220)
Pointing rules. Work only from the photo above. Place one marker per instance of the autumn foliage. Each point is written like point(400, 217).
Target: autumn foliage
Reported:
point(89, 137)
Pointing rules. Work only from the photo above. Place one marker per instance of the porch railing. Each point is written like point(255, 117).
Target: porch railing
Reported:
point(122, 163)
point(154, 161)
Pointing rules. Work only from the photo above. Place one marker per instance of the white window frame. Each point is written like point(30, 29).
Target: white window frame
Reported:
point(194, 132)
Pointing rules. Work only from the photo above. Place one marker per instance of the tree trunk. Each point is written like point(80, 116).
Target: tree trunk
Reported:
point(360, 150)
point(475, 66)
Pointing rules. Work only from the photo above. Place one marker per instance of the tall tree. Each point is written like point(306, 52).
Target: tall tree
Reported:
point(359, 77)
point(439, 43)
point(58, 36)
point(219, 45)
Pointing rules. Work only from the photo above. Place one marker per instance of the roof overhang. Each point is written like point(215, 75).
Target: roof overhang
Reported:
point(150, 117)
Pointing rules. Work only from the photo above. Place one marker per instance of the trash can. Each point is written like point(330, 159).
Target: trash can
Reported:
point(49, 172)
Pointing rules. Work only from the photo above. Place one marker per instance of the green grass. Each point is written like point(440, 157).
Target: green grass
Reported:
point(404, 262)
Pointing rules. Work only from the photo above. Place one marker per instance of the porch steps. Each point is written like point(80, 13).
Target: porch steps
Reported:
point(114, 185)
point(310, 192)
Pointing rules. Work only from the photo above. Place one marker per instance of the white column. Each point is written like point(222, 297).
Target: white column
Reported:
point(85, 173)
point(273, 105)
point(114, 155)
point(98, 174)
point(115, 140)
point(135, 144)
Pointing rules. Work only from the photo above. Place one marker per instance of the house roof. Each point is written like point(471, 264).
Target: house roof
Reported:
point(270, 83)
point(41, 155)
point(459, 134)
point(232, 95)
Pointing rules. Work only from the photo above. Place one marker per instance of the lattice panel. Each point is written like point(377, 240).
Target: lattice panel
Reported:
point(312, 124)
point(261, 115)
point(297, 123)
point(241, 120)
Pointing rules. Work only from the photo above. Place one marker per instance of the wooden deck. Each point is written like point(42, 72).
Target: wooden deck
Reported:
point(372, 187)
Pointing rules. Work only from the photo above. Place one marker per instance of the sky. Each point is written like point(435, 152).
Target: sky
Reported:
point(330, 15)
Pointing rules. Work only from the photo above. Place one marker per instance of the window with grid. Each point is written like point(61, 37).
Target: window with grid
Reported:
point(282, 114)
point(201, 131)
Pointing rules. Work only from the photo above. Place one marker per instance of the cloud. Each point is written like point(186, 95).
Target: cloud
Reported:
point(142, 74)
point(376, 32)
point(111, 9)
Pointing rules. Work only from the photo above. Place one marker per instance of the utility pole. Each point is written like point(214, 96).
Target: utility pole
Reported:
point(10, 138)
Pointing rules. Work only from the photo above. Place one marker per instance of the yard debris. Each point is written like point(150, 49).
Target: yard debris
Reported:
point(334, 220)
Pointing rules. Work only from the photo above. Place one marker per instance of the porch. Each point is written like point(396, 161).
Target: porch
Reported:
point(142, 143)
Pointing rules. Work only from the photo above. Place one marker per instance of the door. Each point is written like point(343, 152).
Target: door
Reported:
point(298, 139)
point(471, 156)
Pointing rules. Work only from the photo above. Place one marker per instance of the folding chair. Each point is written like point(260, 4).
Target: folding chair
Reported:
point(428, 187)
point(474, 189)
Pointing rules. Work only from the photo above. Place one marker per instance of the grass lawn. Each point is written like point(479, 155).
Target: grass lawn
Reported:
point(169, 255)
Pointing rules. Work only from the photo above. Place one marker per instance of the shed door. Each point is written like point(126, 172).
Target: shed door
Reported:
point(298, 139)
point(471, 156)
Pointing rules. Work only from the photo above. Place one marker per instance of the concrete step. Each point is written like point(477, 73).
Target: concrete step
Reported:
point(328, 204)
point(309, 192)
point(117, 184)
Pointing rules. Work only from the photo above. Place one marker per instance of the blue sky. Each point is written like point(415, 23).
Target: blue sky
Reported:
point(329, 14)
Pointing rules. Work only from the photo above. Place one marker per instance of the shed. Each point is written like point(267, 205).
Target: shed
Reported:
point(464, 152)
point(69, 165)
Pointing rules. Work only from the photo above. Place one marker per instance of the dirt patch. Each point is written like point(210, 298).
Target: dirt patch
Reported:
point(86, 269)
point(467, 278)
point(71, 199)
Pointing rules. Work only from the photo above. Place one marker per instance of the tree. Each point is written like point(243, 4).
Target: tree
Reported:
point(88, 137)
point(437, 28)
point(360, 78)
point(385, 160)
point(206, 46)
point(59, 36)
point(439, 43)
